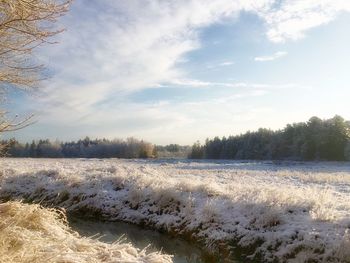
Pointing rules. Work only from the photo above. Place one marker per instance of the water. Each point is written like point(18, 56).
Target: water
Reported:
point(183, 251)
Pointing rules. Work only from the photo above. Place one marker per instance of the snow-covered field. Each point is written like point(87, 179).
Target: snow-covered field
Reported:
point(288, 212)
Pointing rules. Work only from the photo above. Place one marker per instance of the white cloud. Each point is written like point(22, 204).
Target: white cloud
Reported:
point(274, 56)
point(115, 47)
point(291, 19)
point(120, 46)
point(221, 64)
point(226, 63)
point(194, 83)
point(190, 83)
point(112, 48)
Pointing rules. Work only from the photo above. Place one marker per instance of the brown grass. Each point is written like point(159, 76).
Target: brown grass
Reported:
point(30, 233)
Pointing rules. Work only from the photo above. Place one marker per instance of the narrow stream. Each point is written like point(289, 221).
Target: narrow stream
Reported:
point(183, 251)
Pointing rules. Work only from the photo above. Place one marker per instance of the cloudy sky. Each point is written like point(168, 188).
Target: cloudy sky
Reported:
point(174, 71)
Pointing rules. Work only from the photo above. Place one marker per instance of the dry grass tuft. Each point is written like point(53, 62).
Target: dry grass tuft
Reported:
point(30, 233)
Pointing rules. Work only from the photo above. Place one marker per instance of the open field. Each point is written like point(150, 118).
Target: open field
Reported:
point(286, 212)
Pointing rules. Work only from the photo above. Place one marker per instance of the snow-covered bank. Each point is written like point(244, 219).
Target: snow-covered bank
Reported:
point(284, 212)
point(31, 234)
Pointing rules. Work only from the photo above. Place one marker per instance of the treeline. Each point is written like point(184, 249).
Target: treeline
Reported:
point(86, 148)
point(313, 140)
point(172, 151)
point(97, 148)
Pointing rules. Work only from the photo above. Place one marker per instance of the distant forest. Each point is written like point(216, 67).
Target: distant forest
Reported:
point(85, 148)
point(313, 140)
point(97, 148)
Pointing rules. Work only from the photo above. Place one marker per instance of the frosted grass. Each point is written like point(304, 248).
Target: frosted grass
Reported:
point(288, 212)
point(32, 234)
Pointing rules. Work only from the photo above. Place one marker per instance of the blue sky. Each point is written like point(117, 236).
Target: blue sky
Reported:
point(178, 71)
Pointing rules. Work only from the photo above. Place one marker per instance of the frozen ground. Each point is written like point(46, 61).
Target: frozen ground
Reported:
point(288, 212)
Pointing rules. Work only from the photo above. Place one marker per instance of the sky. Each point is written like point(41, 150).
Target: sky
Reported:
point(177, 71)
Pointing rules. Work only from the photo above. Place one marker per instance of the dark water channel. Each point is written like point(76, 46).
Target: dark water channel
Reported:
point(183, 251)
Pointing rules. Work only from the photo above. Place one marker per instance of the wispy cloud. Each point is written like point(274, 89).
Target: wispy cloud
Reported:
point(220, 65)
point(274, 56)
point(112, 48)
point(291, 19)
point(226, 63)
point(194, 83)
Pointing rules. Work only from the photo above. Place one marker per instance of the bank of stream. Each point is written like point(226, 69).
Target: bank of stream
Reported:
point(109, 232)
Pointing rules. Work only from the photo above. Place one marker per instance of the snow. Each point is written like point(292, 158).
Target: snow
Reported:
point(286, 211)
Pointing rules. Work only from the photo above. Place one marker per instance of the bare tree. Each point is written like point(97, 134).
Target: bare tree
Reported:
point(24, 26)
